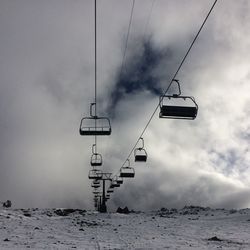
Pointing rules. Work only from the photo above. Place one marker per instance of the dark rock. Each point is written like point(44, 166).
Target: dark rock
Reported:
point(27, 214)
point(123, 210)
point(215, 238)
point(126, 210)
point(163, 209)
point(119, 210)
point(174, 210)
point(6, 239)
point(7, 204)
point(233, 211)
point(67, 211)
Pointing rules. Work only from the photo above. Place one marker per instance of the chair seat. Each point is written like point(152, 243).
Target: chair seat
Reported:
point(94, 132)
point(127, 175)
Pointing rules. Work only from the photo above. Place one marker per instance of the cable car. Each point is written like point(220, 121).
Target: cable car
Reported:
point(127, 171)
point(140, 153)
point(180, 108)
point(96, 159)
point(95, 125)
point(95, 174)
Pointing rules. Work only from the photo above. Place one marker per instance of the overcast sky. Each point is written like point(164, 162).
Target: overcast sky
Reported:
point(47, 83)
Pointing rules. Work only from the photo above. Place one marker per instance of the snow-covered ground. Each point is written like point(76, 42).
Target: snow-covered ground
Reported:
point(187, 228)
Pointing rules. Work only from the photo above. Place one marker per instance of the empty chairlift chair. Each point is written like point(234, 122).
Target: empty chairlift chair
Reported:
point(127, 171)
point(96, 159)
point(110, 190)
point(114, 184)
point(95, 184)
point(95, 125)
point(95, 174)
point(118, 179)
point(177, 106)
point(140, 153)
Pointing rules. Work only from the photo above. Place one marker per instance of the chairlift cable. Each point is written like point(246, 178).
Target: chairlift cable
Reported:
point(126, 44)
point(95, 80)
point(173, 78)
point(149, 17)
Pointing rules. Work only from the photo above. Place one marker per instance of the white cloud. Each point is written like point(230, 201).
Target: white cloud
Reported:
point(46, 68)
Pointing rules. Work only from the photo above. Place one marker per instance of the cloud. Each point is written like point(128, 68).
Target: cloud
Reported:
point(137, 75)
point(46, 85)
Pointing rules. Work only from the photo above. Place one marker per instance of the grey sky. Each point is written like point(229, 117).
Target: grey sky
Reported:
point(46, 85)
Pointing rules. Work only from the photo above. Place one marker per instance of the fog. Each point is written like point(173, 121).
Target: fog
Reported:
point(47, 84)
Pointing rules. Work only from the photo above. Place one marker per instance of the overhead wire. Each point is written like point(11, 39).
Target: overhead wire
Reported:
point(149, 17)
point(127, 37)
point(144, 35)
point(126, 41)
point(176, 73)
point(95, 149)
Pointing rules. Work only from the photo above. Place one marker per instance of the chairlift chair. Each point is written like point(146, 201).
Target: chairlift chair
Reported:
point(110, 190)
point(95, 185)
point(114, 184)
point(95, 125)
point(96, 159)
point(95, 174)
point(127, 171)
point(118, 179)
point(95, 181)
point(140, 153)
point(178, 111)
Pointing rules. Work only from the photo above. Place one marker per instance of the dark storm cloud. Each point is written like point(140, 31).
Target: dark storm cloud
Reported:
point(138, 74)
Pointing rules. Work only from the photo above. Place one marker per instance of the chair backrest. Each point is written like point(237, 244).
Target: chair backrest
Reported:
point(95, 126)
point(178, 111)
point(141, 158)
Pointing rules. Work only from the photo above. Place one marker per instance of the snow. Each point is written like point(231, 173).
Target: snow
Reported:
point(187, 228)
